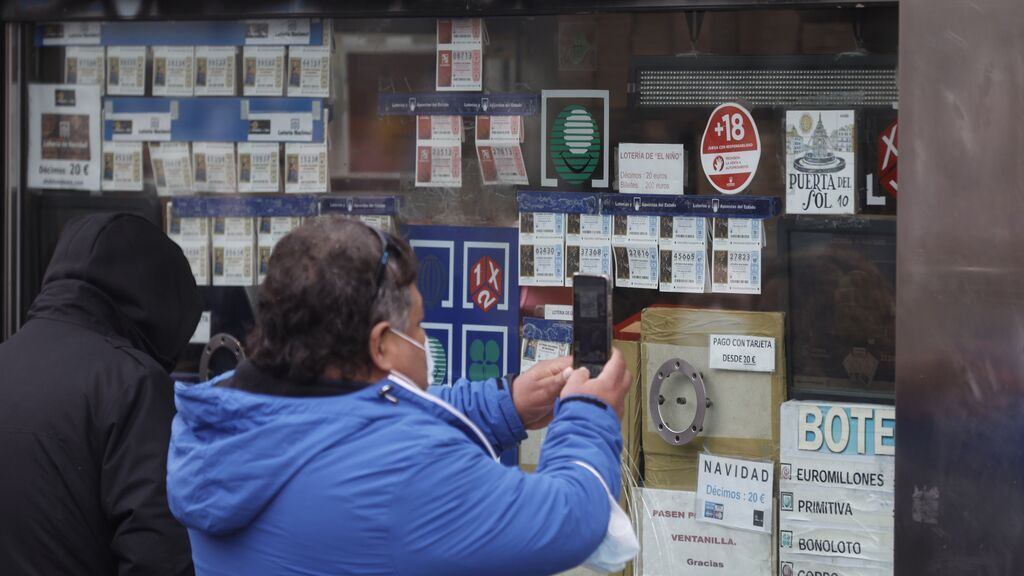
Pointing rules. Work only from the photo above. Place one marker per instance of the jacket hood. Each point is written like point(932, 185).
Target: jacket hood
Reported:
point(122, 272)
point(232, 451)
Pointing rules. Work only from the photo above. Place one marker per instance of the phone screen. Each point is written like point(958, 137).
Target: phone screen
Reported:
point(592, 328)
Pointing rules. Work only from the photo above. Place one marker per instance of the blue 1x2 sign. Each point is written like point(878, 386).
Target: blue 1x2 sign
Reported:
point(469, 279)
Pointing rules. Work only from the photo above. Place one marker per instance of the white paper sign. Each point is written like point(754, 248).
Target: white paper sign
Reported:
point(847, 507)
point(683, 231)
point(126, 70)
point(173, 70)
point(64, 137)
point(580, 227)
point(69, 33)
point(309, 71)
point(673, 542)
point(635, 228)
point(535, 351)
point(541, 225)
point(215, 70)
point(259, 167)
point(234, 241)
point(836, 496)
point(636, 265)
point(141, 126)
point(874, 474)
point(202, 332)
point(305, 167)
point(213, 166)
point(736, 271)
point(858, 544)
point(274, 32)
point(588, 257)
point(735, 493)
point(188, 228)
point(232, 264)
point(459, 55)
point(85, 65)
point(504, 128)
point(558, 312)
point(799, 565)
point(197, 252)
point(381, 221)
point(651, 168)
point(737, 232)
point(271, 230)
point(447, 128)
point(739, 352)
point(501, 162)
point(122, 166)
point(438, 164)
point(820, 157)
point(280, 126)
point(192, 235)
point(172, 168)
point(542, 262)
point(263, 71)
point(683, 270)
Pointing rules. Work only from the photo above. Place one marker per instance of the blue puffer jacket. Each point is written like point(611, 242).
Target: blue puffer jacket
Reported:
point(385, 479)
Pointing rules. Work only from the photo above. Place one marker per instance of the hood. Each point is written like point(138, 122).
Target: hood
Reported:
point(122, 273)
point(232, 451)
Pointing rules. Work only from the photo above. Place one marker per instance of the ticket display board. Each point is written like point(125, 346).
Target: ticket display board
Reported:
point(836, 488)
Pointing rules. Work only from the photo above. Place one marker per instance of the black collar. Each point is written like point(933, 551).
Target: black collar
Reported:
point(251, 378)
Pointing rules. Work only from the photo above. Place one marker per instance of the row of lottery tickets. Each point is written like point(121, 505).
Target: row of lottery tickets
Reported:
point(202, 70)
point(666, 253)
point(235, 251)
point(181, 168)
point(498, 149)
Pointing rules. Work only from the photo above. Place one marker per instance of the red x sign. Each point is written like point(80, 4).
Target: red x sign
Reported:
point(888, 156)
point(486, 283)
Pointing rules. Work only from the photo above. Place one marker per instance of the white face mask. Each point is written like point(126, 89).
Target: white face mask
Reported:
point(620, 544)
point(425, 347)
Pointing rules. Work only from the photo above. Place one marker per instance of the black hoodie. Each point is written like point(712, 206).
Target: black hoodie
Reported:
point(86, 405)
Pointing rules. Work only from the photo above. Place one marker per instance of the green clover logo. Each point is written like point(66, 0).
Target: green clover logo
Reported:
point(483, 359)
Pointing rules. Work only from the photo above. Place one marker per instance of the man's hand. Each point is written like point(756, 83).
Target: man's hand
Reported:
point(610, 386)
point(535, 391)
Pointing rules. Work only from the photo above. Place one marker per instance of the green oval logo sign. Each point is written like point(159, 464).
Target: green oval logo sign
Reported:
point(436, 349)
point(575, 144)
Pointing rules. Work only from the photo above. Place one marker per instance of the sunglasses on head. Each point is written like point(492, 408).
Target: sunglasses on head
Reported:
point(387, 244)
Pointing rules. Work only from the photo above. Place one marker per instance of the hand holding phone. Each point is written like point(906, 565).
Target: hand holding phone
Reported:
point(610, 385)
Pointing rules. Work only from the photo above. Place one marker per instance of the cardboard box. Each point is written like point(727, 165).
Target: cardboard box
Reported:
point(743, 419)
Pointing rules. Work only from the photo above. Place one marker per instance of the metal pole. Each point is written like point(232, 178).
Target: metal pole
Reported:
point(12, 87)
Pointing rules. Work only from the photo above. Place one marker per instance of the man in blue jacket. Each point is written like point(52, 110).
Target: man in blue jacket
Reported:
point(328, 453)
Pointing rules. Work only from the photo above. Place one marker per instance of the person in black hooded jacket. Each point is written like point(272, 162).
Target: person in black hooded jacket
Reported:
point(86, 405)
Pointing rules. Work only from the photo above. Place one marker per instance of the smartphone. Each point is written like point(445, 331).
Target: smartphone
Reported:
point(591, 322)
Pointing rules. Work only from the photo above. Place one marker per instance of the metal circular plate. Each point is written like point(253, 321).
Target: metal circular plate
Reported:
point(667, 370)
point(219, 342)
